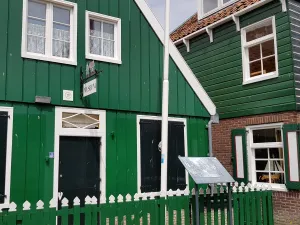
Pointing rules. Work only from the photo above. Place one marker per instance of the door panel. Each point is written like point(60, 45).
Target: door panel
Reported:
point(79, 167)
point(176, 147)
point(3, 142)
point(150, 131)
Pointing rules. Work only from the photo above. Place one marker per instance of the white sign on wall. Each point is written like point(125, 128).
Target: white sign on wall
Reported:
point(90, 88)
point(68, 95)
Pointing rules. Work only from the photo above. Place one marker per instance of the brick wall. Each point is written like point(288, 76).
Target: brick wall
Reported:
point(286, 204)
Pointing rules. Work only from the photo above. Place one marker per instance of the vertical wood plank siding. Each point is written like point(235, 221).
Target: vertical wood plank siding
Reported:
point(218, 66)
point(33, 139)
point(133, 86)
point(294, 13)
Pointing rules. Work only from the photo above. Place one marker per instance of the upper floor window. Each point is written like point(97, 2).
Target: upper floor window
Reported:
point(259, 51)
point(103, 38)
point(207, 7)
point(49, 31)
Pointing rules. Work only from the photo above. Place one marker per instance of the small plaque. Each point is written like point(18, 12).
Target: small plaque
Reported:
point(68, 95)
point(90, 88)
point(43, 99)
point(51, 155)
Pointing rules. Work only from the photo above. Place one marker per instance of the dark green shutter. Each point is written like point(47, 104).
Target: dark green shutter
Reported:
point(291, 155)
point(239, 155)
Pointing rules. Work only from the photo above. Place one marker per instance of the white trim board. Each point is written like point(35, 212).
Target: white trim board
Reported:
point(79, 132)
point(9, 137)
point(178, 59)
point(144, 117)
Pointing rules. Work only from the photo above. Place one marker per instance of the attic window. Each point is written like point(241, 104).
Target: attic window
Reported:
point(259, 51)
point(207, 7)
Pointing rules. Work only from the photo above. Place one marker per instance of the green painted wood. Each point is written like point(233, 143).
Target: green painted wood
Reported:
point(216, 208)
point(270, 208)
point(209, 209)
point(264, 208)
point(258, 207)
point(235, 208)
point(253, 207)
point(3, 48)
point(173, 106)
point(247, 208)
point(242, 207)
point(218, 66)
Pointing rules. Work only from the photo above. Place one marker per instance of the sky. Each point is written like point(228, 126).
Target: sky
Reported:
point(181, 10)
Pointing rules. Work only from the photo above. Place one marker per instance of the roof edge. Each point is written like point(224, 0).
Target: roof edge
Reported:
point(178, 59)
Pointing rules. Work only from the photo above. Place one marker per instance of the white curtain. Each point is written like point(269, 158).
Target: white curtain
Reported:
point(61, 43)
point(36, 38)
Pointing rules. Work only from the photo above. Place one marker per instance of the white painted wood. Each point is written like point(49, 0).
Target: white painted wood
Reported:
point(128, 198)
point(94, 200)
point(53, 203)
point(186, 191)
point(293, 156)
point(144, 196)
point(40, 204)
point(136, 197)
point(117, 31)
point(12, 207)
point(241, 189)
point(152, 196)
point(76, 201)
point(26, 206)
point(236, 20)
point(210, 34)
point(221, 189)
point(76, 132)
point(193, 191)
point(178, 59)
point(102, 199)
point(144, 117)
point(186, 42)
point(87, 200)
point(48, 50)
point(120, 198)
point(284, 6)
point(234, 189)
point(201, 191)
point(7, 181)
point(111, 199)
point(239, 152)
point(65, 202)
point(246, 189)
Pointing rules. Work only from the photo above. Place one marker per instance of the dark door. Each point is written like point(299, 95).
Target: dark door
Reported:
point(150, 136)
point(79, 168)
point(176, 171)
point(3, 141)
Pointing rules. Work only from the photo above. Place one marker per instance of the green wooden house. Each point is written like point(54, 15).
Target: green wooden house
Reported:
point(64, 134)
point(246, 55)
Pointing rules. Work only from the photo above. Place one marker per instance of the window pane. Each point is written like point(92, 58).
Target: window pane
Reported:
point(61, 41)
point(276, 153)
point(95, 46)
point(108, 31)
point(37, 10)
point(277, 178)
point(36, 36)
point(95, 28)
point(259, 32)
point(61, 15)
point(266, 135)
point(276, 165)
point(268, 48)
point(255, 68)
point(262, 177)
point(254, 53)
point(262, 165)
point(269, 65)
point(261, 153)
point(209, 5)
point(108, 48)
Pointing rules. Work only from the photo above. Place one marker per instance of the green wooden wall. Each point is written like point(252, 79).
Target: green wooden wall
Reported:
point(218, 66)
point(133, 86)
point(33, 139)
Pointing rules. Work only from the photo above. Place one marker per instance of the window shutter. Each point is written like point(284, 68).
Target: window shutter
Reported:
point(239, 155)
point(291, 154)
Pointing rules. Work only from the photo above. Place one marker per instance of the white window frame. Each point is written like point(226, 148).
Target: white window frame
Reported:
point(117, 38)
point(221, 5)
point(143, 117)
point(72, 60)
point(80, 132)
point(10, 120)
point(246, 45)
point(251, 154)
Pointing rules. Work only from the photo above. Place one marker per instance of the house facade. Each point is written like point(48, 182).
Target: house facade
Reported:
point(80, 101)
point(245, 53)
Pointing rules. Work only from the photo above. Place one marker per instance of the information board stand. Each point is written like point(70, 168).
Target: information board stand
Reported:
point(207, 170)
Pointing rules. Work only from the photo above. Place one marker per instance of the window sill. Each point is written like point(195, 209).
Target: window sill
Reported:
point(103, 59)
point(49, 59)
point(274, 187)
point(260, 78)
point(4, 206)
